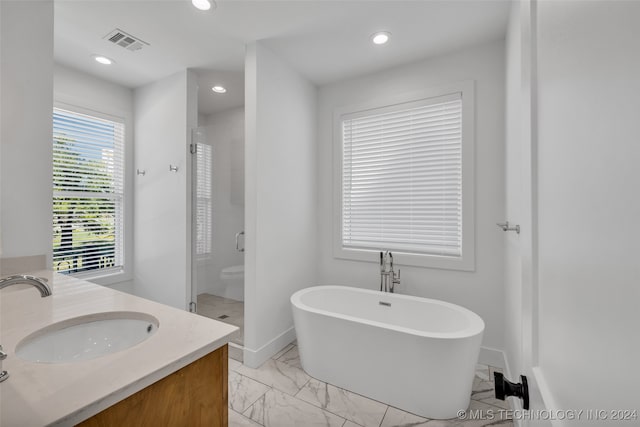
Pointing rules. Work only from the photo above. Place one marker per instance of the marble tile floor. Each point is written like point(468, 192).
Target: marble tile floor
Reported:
point(281, 394)
point(214, 307)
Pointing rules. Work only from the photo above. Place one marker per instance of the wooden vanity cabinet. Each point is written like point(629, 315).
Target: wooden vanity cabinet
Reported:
point(195, 395)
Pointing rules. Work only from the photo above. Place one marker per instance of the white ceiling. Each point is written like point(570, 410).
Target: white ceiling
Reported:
point(210, 102)
point(325, 40)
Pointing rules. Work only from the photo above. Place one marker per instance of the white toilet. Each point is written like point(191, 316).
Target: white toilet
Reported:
point(233, 279)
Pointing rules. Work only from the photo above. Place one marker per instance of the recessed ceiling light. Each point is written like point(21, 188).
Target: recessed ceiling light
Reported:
point(219, 89)
point(202, 4)
point(381, 37)
point(103, 60)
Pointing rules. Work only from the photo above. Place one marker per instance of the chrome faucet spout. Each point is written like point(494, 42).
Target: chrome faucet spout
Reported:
point(388, 278)
point(39, 283)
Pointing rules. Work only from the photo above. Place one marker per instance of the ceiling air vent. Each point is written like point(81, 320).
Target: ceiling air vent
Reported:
point(125, 40)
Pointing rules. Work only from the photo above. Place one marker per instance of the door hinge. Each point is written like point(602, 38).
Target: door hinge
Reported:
point(192, 307)
point(193, 148)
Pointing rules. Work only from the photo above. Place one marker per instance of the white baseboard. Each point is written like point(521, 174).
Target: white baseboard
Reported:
point(547, 396)
point(236, 352)
point(498, 359)
point(255, 358)
point(492, 357)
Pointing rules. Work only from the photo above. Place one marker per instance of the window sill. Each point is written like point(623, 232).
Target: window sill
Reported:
point(408, 259)
point(104, 277)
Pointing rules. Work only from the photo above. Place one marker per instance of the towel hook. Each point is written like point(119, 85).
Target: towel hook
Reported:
point(507, 227)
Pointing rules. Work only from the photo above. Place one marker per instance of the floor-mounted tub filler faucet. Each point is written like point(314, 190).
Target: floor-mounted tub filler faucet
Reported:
point(388, 278)
point(40, 284)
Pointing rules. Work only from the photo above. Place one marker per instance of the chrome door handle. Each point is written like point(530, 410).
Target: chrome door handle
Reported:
point(241, 233)
point(3, 374)
point(508, 227)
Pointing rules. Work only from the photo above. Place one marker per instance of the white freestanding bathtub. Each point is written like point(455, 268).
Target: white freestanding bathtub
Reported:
point(413, 353)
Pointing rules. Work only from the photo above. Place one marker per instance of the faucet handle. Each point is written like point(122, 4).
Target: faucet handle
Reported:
point(3, 355)
point(396, 279)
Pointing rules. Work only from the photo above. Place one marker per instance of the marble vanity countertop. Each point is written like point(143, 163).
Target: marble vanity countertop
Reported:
point(39, 394)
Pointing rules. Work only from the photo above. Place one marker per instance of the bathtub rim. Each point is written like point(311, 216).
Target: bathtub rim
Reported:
point(475, 328)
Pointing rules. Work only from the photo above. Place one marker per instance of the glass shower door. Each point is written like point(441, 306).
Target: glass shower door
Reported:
point(201, 210)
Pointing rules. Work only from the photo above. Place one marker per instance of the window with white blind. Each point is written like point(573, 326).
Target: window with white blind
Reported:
point(406, 181)
point(88, 194)
point(204, 204)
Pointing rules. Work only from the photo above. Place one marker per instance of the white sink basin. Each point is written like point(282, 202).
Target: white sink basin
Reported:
point(87, 337)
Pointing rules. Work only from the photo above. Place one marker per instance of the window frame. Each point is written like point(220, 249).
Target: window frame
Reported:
point(106, 277)
point(466, 262)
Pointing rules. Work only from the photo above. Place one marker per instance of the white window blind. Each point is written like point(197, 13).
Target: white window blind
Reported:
point(402, 178)
point(203, 200)
point(88, 193)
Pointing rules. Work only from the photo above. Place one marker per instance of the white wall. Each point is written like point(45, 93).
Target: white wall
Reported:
point(225, 133)
point(75, 88)
point(165, 113)
point(202, 119)
point(589, 209)
point(26, 86)
point(481, 290)
point(280, 199)
point(84, 90)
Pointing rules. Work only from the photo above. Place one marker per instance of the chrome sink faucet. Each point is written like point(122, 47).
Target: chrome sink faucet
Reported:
point(388, 278)
point(40, 284)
